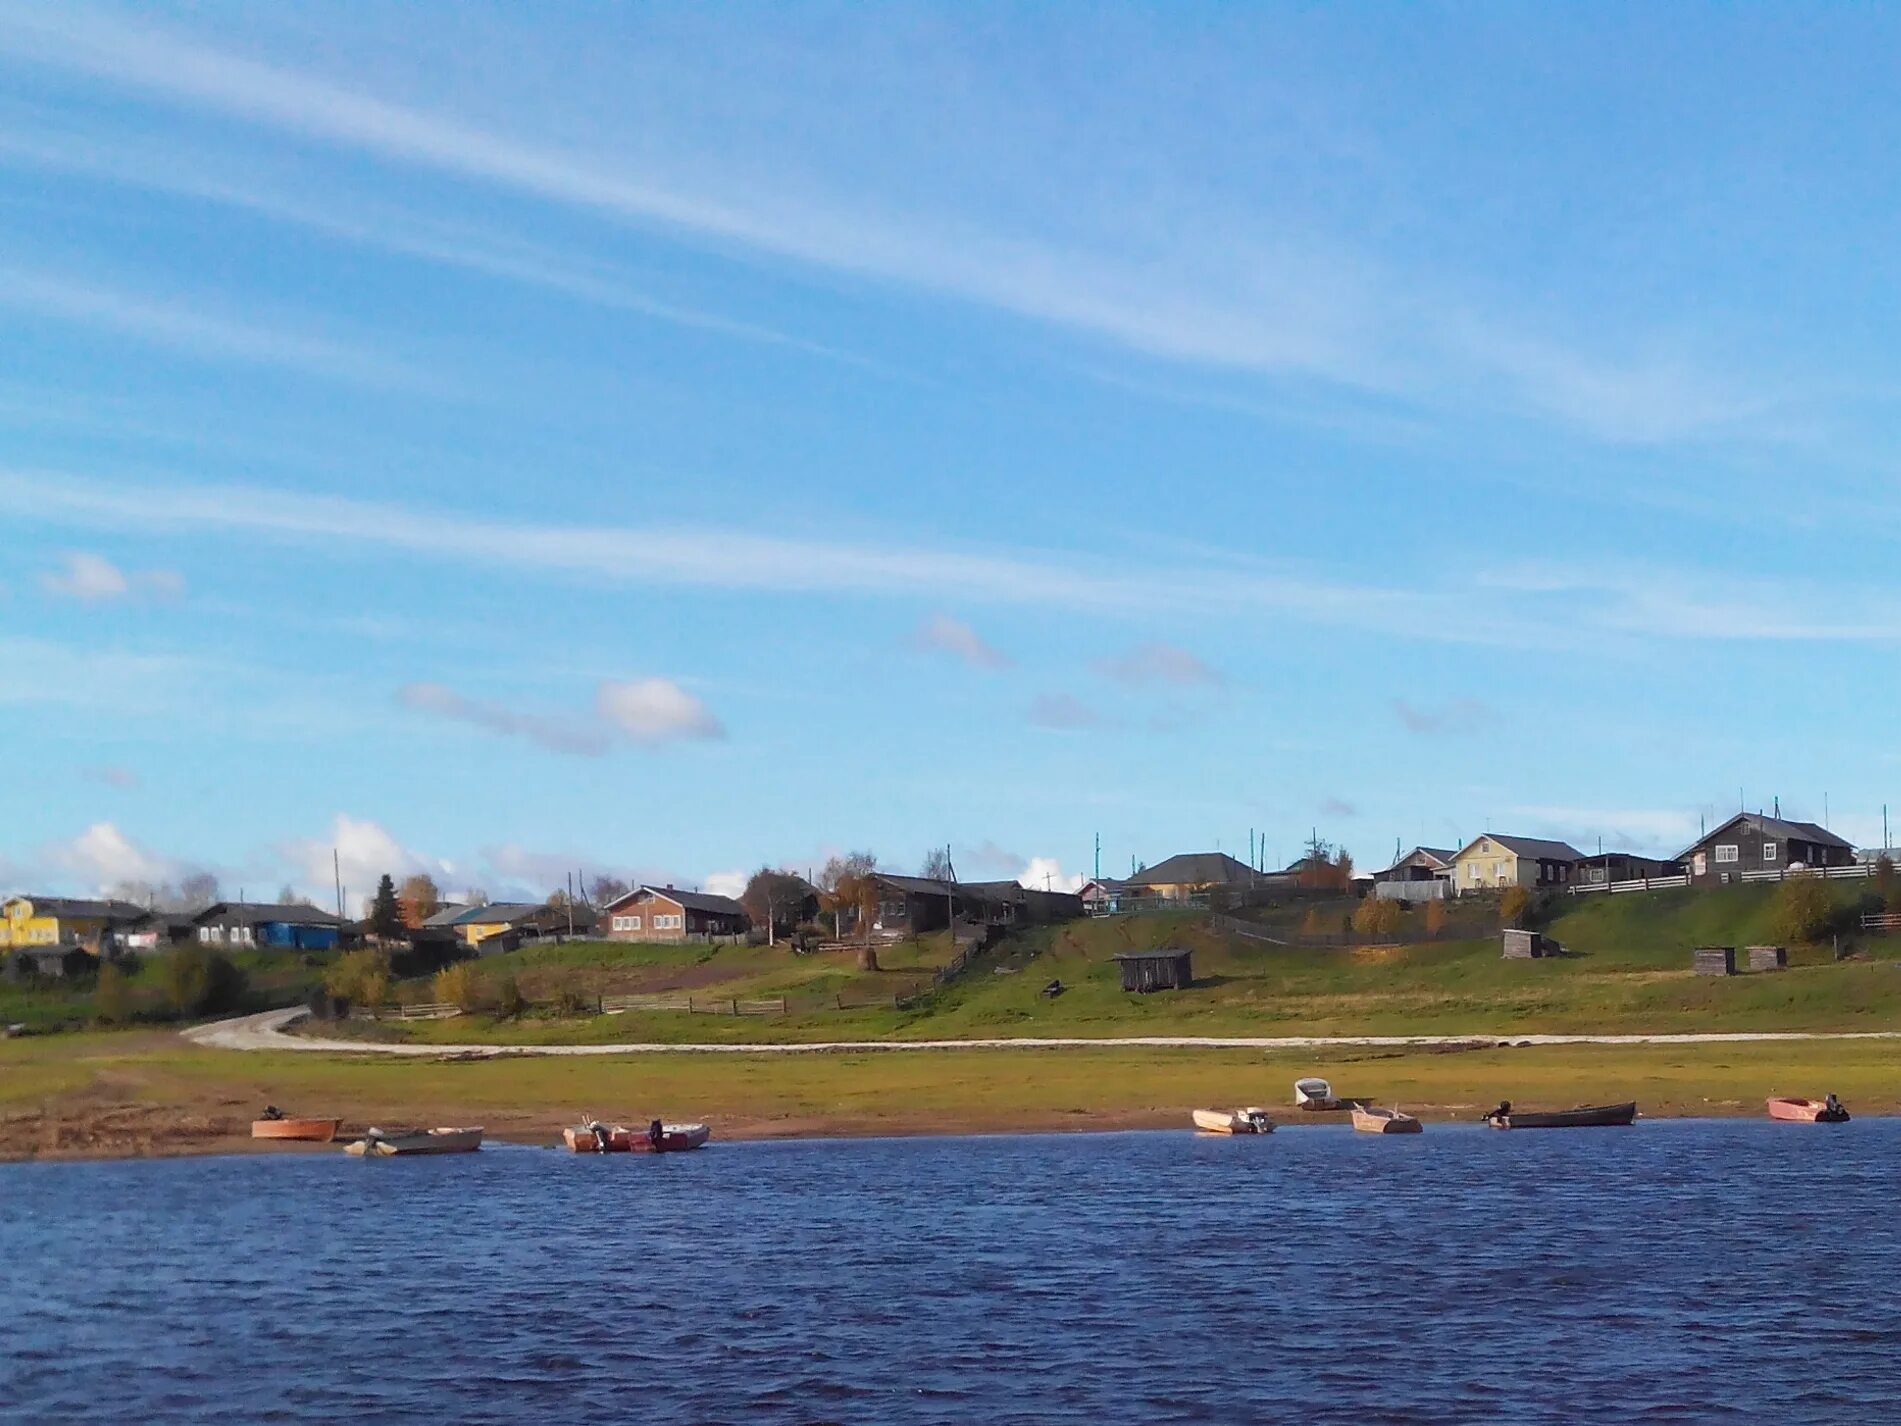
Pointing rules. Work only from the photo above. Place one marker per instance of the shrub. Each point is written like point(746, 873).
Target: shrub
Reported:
point(1376, 916)
point(1887, 884)
point(462, 986)
point(1803, 910)
point(1435, 917)
point(508, 997)
point(1514, 906)
point(571, 999)
point(112, 997)
point(1313, 923)
point(199, 980)
point(360, 977)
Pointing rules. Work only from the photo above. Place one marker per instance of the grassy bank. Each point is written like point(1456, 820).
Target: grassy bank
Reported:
point(146, 1092)
point(1627, 971)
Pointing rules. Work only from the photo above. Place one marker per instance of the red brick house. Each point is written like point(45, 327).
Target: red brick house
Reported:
point(665, 913)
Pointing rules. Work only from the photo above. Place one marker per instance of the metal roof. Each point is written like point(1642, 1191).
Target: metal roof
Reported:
point(259, 913)
point(1164, 953)
point(1196, 869)
point(694, 900)
point(79, 906)
point(1527, 846)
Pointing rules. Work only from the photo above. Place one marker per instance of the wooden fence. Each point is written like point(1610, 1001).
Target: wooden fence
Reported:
point(1881, 921)
point(1647, 883)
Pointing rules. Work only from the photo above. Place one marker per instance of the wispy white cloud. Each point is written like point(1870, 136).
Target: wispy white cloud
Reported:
point(123, 778)
point(1047, 874)
point(1063, 713)
point(942, 634)
point(1461, 714)
point(1636, 829)
point(192, 332)
point(405, 233)
point(551, 731)
point(365, 851)
point(1158, 663)
point(102, 857)
point(94, 579)
point(1275, 306)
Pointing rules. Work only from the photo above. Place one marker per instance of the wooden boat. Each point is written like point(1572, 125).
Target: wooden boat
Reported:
point(1385, 1121)
point(316, 1131)
point(1587, 1117)
point(597, 1138)
point(379, 1143)
point(1233, 1121)
point(1809, 1111)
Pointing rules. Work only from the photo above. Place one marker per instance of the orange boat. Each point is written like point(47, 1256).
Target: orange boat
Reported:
point(1809, 1111)
point(657, 1138)
point(315, 1131)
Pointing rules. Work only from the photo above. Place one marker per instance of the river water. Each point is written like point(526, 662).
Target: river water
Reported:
point(1678, 1271)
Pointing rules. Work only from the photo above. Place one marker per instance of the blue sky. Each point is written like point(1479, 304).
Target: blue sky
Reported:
point(670, 439)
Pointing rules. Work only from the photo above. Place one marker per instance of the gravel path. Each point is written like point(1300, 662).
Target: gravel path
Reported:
point(267, 1032)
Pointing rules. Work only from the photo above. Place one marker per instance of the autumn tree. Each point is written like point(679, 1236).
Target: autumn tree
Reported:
point(197, 891)
point(419, 898)
point(386, 913)
point(606, 890)
point(1376, 916)
point(1514, 905)
point(775, 900)
point(1887, 884)
point(1435, 917)
point(1803, 910)
point(937, 865)
point(360, 977)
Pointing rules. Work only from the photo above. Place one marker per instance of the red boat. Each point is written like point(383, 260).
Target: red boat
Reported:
point(657, 1138)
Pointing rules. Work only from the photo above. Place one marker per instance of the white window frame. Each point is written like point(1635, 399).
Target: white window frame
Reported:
point(1728, 852)
point(667, 923)
point(1771, 850)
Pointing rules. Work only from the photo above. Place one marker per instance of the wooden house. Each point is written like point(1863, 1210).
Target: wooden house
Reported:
point(1423, 874)
point(1750, 841)
point(1191, 873)
point(49, 921)
point(1496, 860)
point(665, 913)
point(246, 925)
point(505, 925)
point(1166, 969)
point(1606, 868)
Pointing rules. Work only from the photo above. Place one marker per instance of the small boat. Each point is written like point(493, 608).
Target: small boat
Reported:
point(283, 1126)
point(594, 1137)
point(1587, 1117)
point(379, 1143)
point(1316, 1096)
point(1809, 1111)
point(1385, 1121)
point(1233, 1121)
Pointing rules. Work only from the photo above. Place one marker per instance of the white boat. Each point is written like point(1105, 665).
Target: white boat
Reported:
point(1233, 1121)
point(381, 1144)
point(1313, 1094)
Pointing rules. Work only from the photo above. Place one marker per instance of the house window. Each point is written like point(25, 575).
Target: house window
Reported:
point(1769, 850)
point(665, 923)
point(620, 924)
point(1727, 852)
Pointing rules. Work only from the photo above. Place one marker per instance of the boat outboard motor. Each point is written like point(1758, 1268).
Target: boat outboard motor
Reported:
point(271, 1111)
point(656, 1135)
point(600, 1136)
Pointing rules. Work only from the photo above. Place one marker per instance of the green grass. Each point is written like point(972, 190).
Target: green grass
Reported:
point(1627, 971)
point(271, 978)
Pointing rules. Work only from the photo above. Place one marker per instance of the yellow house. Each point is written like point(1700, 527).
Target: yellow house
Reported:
point(1493, 861)
point(28, 921)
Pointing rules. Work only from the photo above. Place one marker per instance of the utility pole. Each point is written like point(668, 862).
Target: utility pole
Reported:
point(950, 897)
point(336, 872)
point(1098, 856)
point(570, 905)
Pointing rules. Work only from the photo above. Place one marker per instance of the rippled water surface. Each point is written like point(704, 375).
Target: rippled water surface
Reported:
point(1671, 1272)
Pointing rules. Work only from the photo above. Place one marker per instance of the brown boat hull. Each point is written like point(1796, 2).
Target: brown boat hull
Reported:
point(1373, 1122)
point(314, 1131)
point(1806, 1111)
point(615, 1139)
point(1594, 1116)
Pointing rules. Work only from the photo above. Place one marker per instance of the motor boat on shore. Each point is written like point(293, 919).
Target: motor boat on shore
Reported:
point(1233, 1121)
point(1316, 1096)
point(276, 1124)
point(594, 1137)
point(382, 1144)
point(1385, 1121)
point(1586, 1117)
point(1809, 1111)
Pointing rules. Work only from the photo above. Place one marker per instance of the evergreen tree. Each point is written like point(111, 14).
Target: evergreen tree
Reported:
point(386, 912)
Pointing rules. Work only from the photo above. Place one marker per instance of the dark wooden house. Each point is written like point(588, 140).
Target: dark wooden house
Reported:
point(1166, 969)
point(1608, 867)
point(1750, 841)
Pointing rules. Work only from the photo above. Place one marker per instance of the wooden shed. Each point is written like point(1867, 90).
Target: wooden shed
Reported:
point(1528, 946)
point(1767, 957)
point(1165, 969)
point(1714, 960)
